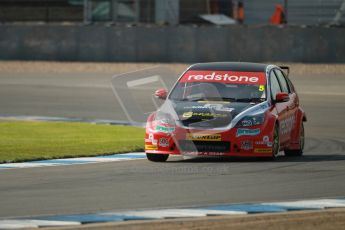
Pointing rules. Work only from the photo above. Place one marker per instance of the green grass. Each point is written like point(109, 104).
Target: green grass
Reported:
point(26, 140)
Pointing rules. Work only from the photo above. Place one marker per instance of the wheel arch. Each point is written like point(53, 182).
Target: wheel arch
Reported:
point(295, 134)
point(304, 119)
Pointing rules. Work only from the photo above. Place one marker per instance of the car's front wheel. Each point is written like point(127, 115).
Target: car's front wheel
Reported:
point(299, 151)
point(276, 142)
point(157, 157)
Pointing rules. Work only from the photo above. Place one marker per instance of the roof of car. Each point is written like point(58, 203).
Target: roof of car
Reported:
point(230, 66)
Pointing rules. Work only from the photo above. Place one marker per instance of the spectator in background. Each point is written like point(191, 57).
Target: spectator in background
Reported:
point(240, 12)
point(278, 16)
point(222, 7)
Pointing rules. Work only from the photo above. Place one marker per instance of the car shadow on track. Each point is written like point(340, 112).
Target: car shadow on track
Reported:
point(305, 158)
point(314, 157)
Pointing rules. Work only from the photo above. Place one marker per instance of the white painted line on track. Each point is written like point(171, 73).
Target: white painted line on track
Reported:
point(226, 209)
point(165, 213)
point(75, 161)
point(321, 203)
point(15, 224)
point(176, 213)
point(69, 119)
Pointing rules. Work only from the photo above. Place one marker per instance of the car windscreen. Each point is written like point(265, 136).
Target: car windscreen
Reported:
point(220, 86)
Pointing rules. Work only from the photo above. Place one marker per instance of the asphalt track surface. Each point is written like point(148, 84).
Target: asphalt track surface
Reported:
point(140, 184)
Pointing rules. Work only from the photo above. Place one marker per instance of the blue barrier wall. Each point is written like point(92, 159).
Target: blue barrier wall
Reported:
point(171, 44)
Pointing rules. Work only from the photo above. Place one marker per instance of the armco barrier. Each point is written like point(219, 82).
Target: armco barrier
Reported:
point(171, 44)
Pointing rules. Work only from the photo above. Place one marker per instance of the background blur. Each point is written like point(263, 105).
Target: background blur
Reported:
point(300, 12)
point(172, 30)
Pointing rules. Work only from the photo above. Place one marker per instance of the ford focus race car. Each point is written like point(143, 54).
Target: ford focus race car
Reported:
point(227, 109)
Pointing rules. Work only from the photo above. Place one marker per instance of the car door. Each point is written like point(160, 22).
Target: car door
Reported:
point(288, 122)
point(281, 108)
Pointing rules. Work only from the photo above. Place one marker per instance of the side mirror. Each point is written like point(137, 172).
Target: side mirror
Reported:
point(282, 97)
point(161, 94)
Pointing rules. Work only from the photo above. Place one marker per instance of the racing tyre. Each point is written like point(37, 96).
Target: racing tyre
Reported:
point(276, 142)
point(157, 157)
point(299, 151)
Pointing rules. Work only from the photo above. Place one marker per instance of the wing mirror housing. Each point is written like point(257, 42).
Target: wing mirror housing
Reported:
point(161, 93)
point(282, 97)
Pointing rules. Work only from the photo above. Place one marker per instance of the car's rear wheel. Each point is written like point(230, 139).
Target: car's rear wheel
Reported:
point(157, 157)
point(299, 151)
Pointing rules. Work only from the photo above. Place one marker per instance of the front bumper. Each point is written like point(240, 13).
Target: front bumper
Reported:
point(255, 141)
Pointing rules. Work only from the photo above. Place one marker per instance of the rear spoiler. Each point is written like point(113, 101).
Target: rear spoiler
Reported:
point(286, 69)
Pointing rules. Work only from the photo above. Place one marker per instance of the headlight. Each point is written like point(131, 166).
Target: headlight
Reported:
point(251, 120)
point(164, 118)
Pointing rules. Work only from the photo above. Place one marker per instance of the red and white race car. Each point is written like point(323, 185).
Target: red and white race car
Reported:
point(227, 109)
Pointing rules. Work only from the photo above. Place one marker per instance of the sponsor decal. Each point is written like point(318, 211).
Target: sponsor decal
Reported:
point(230, 77)
point(151, 147)
point(187, 114)
point(163, 142)
point(247, 132)
point(203, 153)
point(195, 107)
point(222, 102)
point(217, 107)
point(247, 123)
point(208, 115)
point(287, 124)
point(152, 139)
point(263, 150)
point(261, 88)
point(246, 145)
point(265, 141)
point(190, 153)
point(164, 129)
point(203, 137)
point(210, 154)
